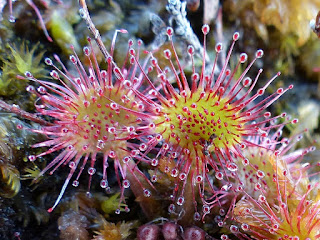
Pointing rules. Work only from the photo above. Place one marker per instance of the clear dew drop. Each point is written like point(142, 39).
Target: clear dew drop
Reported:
point(32, 158)
point(70, 148)
point(260, 174)
point(222, 212)
point(220, 224)
point(126, 183)
point(126, 159)
point(104, 183)
point(244, 227)
point(146, 192)
point(154, 162)
point(174, 173)
point(206, 209)
point(219, 175)
point(224, 237)
point(197, 216)
point(75, 183)
point(180, 201)
point(234, 229)
point(262, 198)
point(182, 176)
point(245, 162)
point(271, 230)
point(171, 208)
point(91, 171)
point(154, 178)
point(198, 179)
point(72, 165)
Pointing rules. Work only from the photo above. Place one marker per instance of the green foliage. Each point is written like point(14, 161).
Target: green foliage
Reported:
point(110, 204)
point(62, 31)
point(17, 62)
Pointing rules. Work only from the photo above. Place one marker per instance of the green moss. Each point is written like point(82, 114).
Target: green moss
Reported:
point(110, 204)
point(17, 62)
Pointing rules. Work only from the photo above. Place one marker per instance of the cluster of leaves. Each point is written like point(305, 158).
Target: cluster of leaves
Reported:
point(16, 62)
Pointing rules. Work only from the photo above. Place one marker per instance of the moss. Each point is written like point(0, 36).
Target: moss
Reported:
point(19, 60)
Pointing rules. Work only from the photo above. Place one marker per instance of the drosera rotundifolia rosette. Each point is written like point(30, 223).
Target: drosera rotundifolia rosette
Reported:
point(275, 198)
point(204, 125)
point(93, 114)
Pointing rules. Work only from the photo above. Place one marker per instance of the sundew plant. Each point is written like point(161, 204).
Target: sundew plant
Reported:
point(202, 144)
point(93, 115)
